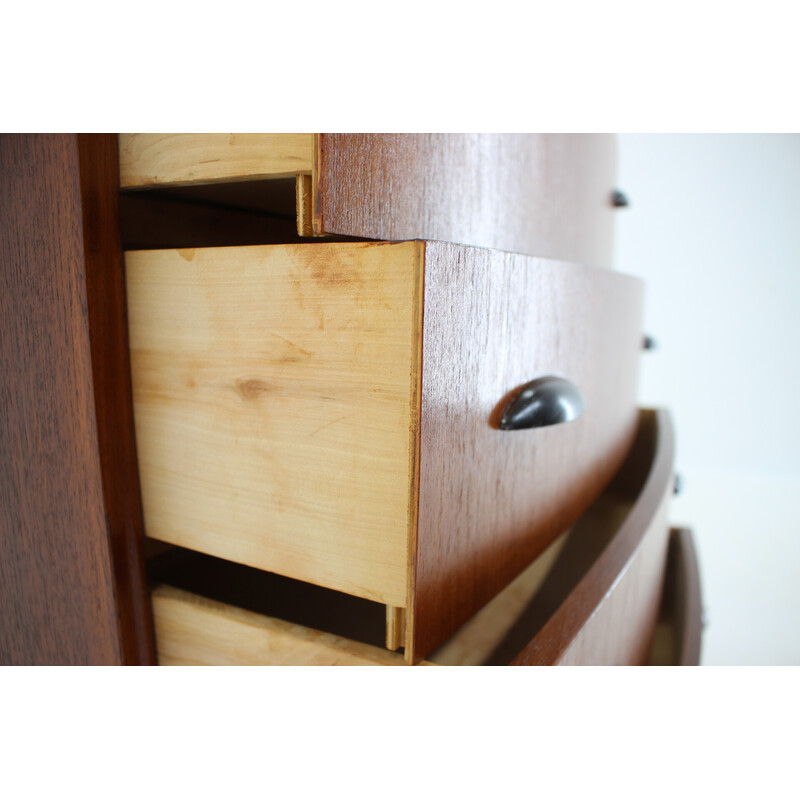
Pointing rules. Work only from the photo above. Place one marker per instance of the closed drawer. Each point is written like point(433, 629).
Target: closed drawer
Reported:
point(591, 598)
point(328, 412)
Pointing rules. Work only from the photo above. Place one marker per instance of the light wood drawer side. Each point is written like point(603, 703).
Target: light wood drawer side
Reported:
point(193, 631)
point(182, 159)
point(274, 390)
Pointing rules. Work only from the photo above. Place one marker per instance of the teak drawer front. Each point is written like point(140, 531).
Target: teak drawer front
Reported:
point(609, 617)
point(298, 406)
point(542, 194)
point(491, 501)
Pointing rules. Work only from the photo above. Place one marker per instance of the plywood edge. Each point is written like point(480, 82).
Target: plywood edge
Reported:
point(316, 190)
point(395, 627)
point(414, 447)
point(172, 159)
point(305, 226)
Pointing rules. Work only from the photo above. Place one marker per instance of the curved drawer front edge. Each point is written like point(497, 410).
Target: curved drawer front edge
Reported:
point(621, 592)
point(491, 501)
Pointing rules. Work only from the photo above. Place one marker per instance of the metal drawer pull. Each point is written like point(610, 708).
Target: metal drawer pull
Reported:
point(544, 401)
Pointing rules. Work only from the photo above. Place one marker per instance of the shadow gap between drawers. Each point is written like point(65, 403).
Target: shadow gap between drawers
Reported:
point(270, 594)
point(214, 215)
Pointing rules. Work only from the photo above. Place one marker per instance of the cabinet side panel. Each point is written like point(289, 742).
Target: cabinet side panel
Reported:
point(57, 593)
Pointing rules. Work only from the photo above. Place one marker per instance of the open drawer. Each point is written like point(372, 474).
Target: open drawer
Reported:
point(591, 598)
point(331, 412)
point(543, 194)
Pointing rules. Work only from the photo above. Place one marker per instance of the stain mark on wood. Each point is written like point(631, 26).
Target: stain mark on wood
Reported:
point(250, 388)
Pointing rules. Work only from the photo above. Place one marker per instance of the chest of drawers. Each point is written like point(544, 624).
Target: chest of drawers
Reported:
point(328, 409)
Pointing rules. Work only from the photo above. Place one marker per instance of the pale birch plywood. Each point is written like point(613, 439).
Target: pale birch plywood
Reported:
point(304, 200)
point(182, 159)
point(275, 394)
point(395, 627)
point(194, 631)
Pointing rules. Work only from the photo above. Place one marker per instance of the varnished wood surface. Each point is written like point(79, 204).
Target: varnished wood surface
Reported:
point(479, 638)
point(278, 412)
point(111, 375)
point(491, 501)
point(58, 596)
point(582, 545)
point(192, 630)
point(274, 391)
point(681, 620)
point(610, 616)
point(547, 195)
point(158, 159)
point(395, 627)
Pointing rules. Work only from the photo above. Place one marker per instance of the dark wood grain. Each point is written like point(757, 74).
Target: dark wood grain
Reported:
point(547, 195)
point(70, 587)
point(111, 373)
point(610, 615)
point(682, 607)
point(491, 501)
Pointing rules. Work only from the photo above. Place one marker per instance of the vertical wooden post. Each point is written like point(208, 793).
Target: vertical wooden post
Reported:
point(72, 588)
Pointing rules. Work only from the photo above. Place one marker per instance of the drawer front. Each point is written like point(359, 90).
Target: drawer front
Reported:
point(490, 500)
point(609, 616)
point(273, 391)
point(679, 634)
point(311, 410)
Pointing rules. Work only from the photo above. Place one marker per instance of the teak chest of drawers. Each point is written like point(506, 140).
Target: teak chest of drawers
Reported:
point(319, 414)
point(327, 412)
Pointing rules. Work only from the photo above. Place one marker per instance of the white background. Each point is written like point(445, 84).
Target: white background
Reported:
point(714, 230)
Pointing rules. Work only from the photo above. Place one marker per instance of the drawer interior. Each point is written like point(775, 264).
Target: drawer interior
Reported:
point(272, 595)
point(214, 190)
